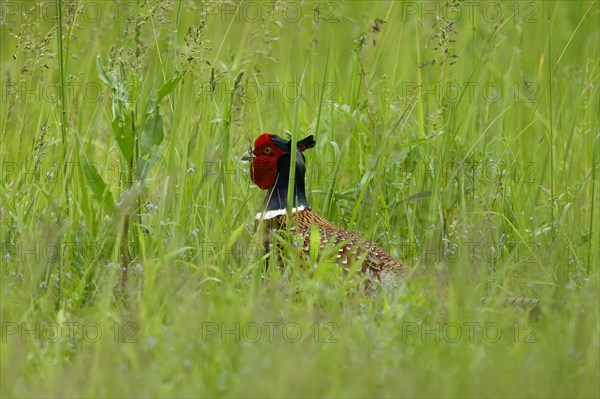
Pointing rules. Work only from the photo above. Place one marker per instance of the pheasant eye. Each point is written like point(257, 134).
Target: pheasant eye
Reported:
point(267, 150)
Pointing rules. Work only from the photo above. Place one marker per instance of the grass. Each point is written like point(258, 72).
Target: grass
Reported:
point(461, 138)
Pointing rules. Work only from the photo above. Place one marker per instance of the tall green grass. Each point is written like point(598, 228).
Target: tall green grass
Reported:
point(463, 138)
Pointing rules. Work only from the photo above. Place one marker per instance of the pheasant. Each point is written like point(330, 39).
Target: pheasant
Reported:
point(269, 169)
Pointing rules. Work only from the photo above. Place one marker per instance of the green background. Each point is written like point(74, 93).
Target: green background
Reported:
point(460, 136)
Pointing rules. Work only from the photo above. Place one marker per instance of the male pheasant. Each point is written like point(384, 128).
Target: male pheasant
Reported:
point(269, 169)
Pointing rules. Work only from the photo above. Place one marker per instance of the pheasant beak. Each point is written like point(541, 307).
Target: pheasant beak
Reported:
point(247, 156)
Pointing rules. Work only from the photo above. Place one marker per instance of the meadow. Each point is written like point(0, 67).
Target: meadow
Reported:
point(461, 136)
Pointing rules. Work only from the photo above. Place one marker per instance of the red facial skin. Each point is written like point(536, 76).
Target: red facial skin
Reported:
point(263, 169)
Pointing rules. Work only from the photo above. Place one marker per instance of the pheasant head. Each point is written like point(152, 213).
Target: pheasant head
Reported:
point(270, 167)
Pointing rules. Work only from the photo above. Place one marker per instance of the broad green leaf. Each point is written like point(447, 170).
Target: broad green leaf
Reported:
point(107, 78)
point(150, 145)
point(123, 132)
point(144, 163)
point(99, 188)
point(168, 87)
point(152, 135)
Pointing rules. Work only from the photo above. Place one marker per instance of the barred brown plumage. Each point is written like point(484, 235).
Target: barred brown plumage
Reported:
point(269, 169)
